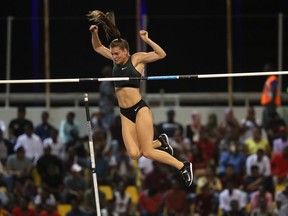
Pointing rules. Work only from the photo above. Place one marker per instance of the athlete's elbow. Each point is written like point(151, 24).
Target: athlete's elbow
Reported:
point(162, 55)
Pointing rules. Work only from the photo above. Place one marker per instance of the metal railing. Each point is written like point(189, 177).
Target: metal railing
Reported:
point(153, 99)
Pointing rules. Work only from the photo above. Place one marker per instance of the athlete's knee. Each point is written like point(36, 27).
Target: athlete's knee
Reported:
point(134, 155)
point(147, 154)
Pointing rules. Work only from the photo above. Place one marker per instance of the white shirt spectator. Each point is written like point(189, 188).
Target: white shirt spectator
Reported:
point(263, 164)
point(50, 200)
point(225, 199)
point(121, 203)
point(145, 165)
point(32, 145)
point(279, 144)
point(57, 148)
point(283, 199)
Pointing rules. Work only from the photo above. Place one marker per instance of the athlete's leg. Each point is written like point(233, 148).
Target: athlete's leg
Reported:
point(145, 134)
point(130, 138)
point(138, 140)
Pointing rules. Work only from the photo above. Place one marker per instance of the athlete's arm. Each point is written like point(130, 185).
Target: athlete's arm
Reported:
point(146, 57)
point(97, 45)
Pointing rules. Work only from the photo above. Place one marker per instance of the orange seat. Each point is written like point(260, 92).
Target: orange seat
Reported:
point(107, 190)
point(63, 209)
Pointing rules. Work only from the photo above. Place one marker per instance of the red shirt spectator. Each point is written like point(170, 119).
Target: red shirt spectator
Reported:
point(279, 163)
point(23, 209)
point(176, 200)
point(157, 178)
point(150, 202)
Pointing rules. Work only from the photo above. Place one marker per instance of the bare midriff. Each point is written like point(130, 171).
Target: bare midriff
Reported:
point(127, 96)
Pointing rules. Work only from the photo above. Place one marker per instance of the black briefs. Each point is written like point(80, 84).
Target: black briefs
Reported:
point(131, 112)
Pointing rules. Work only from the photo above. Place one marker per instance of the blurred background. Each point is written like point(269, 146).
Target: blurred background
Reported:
point(193, 33)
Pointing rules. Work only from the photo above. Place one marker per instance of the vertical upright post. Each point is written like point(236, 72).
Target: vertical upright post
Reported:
point(47, 51)
point(229, 52)
point(8, 59)
point(141, 23)
point(280, 47)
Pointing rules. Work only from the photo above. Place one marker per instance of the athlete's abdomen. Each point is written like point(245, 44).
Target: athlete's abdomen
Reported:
point(127, 97)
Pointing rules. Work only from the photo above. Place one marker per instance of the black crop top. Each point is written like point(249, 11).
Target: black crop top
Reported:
point(126, 70)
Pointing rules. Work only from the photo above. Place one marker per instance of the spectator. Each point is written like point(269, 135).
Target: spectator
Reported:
point(235, 210)
point(229, 194)
point(261, 174)
point(50, 210)
point(194, 128)
point(182, 143)
point(170, 125)
point(122, 200)
point(5, 179)
point(48, 159)
point(234, 157)
point(23, 208)
point(261, 160)
point(75, 209)
point(282, 202)
point(279, 166)
point(75, 184)
point(262, 209)
point(31, 142)
point(211, 125)
point(281, 141)
point(19, 166)
point(230, 129)
point(230, 175)
point(150, 202)
point(261, 197)
point(44, 198)
point(213, 181)
point(157, 178)
point(51, 171)
point(16, 125)
point(69, 130)
point(175, 199)
point(199, 161)
point(43, 129)
point(248, 123)
point(107, 99)
point(206, 146)
point(145, 165)
point(254, 181)
point(257, 141)
point(3, 198)
point(89, 202)
point(57, 146)
point(125, 167)
point(6, 148)
point(205, 202)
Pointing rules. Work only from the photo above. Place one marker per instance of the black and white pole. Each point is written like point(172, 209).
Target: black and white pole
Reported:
point(92, 157)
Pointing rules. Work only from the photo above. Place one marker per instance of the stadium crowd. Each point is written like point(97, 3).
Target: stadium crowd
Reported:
point(240, 168)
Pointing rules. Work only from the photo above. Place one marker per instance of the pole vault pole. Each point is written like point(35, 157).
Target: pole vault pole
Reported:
point(92, 157)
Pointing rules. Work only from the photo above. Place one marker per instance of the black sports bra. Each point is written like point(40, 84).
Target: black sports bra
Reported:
point(126, 70)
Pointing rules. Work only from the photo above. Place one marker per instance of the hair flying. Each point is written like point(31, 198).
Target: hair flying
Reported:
point(107, 20)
